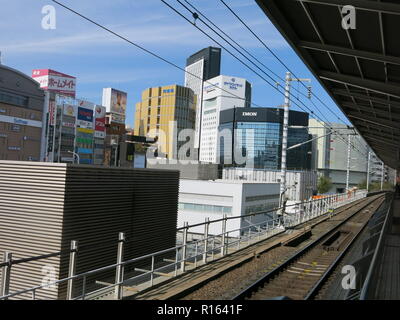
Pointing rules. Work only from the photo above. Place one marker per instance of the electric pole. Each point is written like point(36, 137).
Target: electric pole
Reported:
point(382, 173)
point(348, 161)
point(368, 168)
point(288, 80)
point(284, 136)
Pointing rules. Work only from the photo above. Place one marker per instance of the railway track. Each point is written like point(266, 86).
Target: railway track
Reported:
point(303, 274)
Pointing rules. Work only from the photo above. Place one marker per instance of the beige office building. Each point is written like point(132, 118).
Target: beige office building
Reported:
point(164, 112)
point(21, 116)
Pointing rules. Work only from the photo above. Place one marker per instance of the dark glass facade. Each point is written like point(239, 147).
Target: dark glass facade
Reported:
point(212, 61)
point(258, 137)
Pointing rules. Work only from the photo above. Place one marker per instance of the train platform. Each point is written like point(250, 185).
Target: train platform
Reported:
point(387, 285)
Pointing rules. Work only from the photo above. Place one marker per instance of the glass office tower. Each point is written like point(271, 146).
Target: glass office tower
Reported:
point(258, 137)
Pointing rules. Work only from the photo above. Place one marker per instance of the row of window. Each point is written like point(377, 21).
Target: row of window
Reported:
point(262, 197)
point(13, 99)
point(204, 208)
point(261, 207)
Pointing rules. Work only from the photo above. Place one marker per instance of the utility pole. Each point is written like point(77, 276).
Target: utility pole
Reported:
point(348, 161)
point(284, 137)
point(288, 80)
point(382, 173)
point(368, 168)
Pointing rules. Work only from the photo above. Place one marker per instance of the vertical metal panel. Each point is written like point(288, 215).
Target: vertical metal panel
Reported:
point(31, 217)
point(48, 205)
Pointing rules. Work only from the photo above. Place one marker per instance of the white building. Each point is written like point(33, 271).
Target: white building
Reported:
point(300, 184)
point(201, 66)
point(220, 93)
point(200, 199)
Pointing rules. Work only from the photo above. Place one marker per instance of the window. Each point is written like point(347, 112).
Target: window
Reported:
point(204, 208)
point(15, 127)
point(13, 99)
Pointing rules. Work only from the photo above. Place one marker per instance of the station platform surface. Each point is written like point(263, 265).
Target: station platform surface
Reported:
point(388, 282)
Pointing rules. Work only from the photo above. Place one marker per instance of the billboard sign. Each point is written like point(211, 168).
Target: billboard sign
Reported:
point(70, 110)
point(117, 118)
point(52, 111)
point(55, 81)
point(115, 101)
point(100, 121)
point(85, 114)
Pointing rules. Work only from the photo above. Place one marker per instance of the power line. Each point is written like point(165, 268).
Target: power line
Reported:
point(150, 52)
point(273, 53)
point(240, 46)
point(147, 50)
point(194, 14)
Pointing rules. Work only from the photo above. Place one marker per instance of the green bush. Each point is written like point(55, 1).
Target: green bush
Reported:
point(324, 184)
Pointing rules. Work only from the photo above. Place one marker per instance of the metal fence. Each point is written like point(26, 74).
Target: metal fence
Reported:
point(186, 255)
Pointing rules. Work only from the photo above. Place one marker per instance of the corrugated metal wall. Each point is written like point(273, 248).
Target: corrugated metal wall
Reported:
point(99, 203)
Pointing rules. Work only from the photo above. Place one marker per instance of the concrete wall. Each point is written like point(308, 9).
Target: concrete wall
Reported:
point(187, 170)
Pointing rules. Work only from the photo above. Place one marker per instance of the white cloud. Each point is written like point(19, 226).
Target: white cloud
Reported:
point(76, 36)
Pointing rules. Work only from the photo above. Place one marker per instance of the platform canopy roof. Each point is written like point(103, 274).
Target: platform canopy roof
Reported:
point(359, 68)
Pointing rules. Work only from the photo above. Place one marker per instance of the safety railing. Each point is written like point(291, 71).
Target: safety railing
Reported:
point(368, 284)
point(169, 263)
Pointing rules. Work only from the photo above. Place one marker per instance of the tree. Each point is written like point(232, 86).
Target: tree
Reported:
point(375, 186)
point(362, 185)
point(324, 184)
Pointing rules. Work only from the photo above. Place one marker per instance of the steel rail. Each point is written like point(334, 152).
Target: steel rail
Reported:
point(265, 278)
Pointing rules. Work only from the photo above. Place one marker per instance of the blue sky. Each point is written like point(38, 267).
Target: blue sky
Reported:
point(99, 59)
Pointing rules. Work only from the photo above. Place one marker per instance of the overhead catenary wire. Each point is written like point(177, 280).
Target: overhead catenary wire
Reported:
point(201, 30)
point(155, 55)
point(240, 46)
point(275, 55)
point(146, 50)
point(297, 98)
point(151, 52)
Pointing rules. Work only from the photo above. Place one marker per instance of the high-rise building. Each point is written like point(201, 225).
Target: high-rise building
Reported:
point(257, 138)
point(21, 116)
point(201, 66)
point(163, 113)
point(219, 94)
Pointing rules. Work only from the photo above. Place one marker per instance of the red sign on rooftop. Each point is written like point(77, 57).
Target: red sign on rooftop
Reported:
point(55, 81)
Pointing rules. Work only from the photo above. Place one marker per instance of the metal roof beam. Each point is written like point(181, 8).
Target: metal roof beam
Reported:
point(381, 130)
point(382, 140)
point(349, 52)
point(365, 97)
point(367, 5)
point(369, 109)
point(386, 123)
point(372, 85)
point(384, 149)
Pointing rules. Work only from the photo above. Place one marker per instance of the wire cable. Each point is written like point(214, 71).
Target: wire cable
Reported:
point(194, 14)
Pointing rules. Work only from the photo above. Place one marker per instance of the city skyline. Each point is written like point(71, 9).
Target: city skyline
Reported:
point(101, 60)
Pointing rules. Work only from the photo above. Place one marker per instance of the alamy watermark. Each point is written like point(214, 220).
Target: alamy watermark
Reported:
point(348, 17)
point(223, 146)
point(49, 277)
point(349, 280)
point(49, 19)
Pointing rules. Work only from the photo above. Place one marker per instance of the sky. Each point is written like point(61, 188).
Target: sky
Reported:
point(99, 59)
